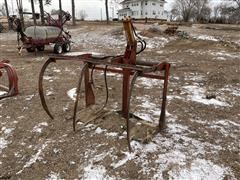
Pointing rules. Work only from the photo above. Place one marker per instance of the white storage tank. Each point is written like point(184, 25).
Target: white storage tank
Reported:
point(42, 32)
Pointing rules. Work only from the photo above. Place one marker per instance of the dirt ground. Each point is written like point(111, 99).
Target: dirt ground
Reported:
point(201, 140)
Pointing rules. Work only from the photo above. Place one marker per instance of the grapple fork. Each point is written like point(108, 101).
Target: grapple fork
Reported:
point(126, 64)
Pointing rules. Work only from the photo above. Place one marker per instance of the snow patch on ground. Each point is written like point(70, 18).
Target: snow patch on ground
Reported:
point(128, 157)
point(147, 110)
point(72, 93)
point(82, 53)
point(56, 70)
point(29, 98)
point(156, 42)
point(218, 55)
point(227, 128)
point(172, 151)
point(94, 172)
point(53, 176)
point(175, 151)
point(91, 39)
point(200, 169)
point(49, 93)
point(38, 128)
point(197, 94)
point(5, 134)
point(39, 58)
point(223, 55)
point(148, 83)
point(109, 134)
point(48, 78)
point(34, 158)
point(115, 75)
point(2, 93)
point(206, 37)
point(194, 77)
point(3, 144)
point(232, 90)
point(99, 130)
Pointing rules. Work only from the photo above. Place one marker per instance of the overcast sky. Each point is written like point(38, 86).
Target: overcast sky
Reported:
point(94, 9)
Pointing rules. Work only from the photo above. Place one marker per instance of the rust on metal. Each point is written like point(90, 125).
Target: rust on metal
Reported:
point(11, 89)
point(125, 64)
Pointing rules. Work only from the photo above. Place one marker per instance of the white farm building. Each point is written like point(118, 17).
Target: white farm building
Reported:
point(141, 9)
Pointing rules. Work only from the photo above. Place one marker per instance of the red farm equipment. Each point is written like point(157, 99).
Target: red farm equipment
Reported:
point(36, 37)
point(126, 64)
point(8, 80)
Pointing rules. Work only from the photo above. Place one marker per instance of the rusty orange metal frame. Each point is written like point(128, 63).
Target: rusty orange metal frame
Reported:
point(126, 64)
point(12, 88)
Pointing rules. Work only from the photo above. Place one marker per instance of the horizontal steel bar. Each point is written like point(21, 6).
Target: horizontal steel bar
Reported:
point(148, 75)
point(87, 58)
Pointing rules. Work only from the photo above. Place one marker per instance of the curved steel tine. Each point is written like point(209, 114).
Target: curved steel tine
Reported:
point(40, 86)
point(135, 75)
point(107, 92)
point(78, 94)
point(12, 88)
point(106, 85)
point(13, 79)
point(93, 68)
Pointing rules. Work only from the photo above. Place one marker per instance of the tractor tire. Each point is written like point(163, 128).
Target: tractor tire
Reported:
point(41, 48)
point(58, 49)
point(31, 49)
point(66, 47)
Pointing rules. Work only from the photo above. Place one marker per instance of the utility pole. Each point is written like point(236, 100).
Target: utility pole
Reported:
point(60, 9)
point(33, 12)
point(41, 12)
point(8, 17)
point(20, 11)
point(73, 13)
point(106, 5)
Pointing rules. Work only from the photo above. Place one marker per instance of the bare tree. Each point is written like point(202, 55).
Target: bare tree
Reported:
point(216, 13)
point(7, 13)
point(33, 12)
point(174, 14)
point(60, 9)
point(20, 11)
point(185, 7)
point(236, 12)
point(229, 12)
point(47, 2)
point(82, 14)
point(41, 11)
point(107, 15)
point(73, 13)
point(237, 2)
point(201, 10)
point(2, 10)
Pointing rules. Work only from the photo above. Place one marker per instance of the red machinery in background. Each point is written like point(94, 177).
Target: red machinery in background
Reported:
point(8, 80)
point(37, 37)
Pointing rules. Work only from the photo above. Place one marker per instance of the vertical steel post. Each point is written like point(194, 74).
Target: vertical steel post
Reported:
point(89, 94)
